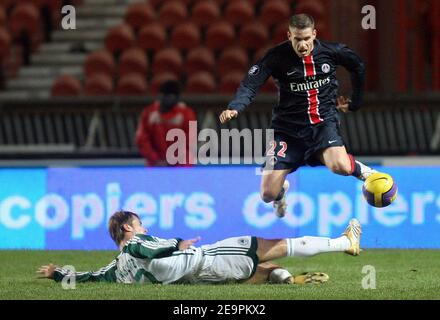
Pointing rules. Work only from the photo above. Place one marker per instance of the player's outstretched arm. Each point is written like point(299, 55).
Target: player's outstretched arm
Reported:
point(57, 273)
point(354, 64)
point(47, 271)
point(228, 115)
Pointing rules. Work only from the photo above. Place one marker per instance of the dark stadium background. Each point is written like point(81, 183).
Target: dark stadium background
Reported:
point(78, 93)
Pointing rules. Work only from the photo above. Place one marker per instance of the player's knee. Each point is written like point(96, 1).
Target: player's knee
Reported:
point(268, 196)
point(340, 167)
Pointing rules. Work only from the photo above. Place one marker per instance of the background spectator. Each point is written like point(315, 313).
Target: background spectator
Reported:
point(166, 113)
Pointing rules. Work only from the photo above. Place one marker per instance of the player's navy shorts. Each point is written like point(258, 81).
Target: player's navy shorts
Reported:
point(300, 147)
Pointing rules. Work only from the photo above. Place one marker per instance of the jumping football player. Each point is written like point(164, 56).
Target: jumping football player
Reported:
point(306, 120)
point(147, 259)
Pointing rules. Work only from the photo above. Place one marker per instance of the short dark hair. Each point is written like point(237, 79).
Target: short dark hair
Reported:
point(170, 87)
point(116, 223)
point(302, 21)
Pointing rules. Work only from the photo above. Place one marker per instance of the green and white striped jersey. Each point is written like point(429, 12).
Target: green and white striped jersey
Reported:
point(154, 260)
point(143, 259)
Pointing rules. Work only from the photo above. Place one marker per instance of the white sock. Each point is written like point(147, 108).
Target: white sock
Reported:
point(309, 246)
point(279, 275)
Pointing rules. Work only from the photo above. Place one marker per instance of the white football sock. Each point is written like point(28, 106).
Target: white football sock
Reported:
point(309, 246)
point(279, 275)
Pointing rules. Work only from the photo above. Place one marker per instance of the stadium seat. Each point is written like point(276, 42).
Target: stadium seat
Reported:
point(7, 4)
point(190, 2)
point(323, 30)
point(77, 2)
point(24, 17)
point(220, 35)
point(119, 38)
point(52, 4)
point(133, 60)
point(5, 43)
point(280, 32)
point(254, 3)
point(152, 37)
point(205, 12)
point(261, 52)
point(230, 82)
point(131, 84)
point(199, 59)
point(313, 7)
point(221, 2)
point(160, 78)
point(139, 14)
point(158, 3)
point(3, 18)
point(239, 12)
point(168, 60)
point(272, 12)
point(50, 13)
point(172, 13)
point(200, 82)
point(185, 36)
point(66, 85)
point(98, 84)
point(232, 59)
point(100, 61)
point(253, 35)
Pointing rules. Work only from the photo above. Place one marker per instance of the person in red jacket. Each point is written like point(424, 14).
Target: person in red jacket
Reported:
point(166, 113)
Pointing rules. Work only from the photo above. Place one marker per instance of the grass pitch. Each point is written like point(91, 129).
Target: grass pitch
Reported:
point(399, 274)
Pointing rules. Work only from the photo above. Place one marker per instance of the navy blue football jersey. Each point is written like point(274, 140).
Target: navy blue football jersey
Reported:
point(307, 86)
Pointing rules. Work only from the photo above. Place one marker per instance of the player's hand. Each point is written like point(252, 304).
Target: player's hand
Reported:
point(342, 104)
point(46, 272)
point(228, 115)
point(185, 244)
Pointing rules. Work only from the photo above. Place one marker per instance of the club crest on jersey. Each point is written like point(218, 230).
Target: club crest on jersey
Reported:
point(243, 241)
point(254, 70)
point(325, 68)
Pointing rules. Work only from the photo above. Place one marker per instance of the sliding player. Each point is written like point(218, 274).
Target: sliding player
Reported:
point(144, 258)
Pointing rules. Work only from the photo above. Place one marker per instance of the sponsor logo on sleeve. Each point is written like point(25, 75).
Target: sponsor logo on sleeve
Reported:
point(254, 70)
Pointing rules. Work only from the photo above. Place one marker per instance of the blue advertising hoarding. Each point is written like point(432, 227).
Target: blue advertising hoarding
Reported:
point(68, 208)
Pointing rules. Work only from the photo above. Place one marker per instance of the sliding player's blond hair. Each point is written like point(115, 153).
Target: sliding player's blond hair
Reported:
point(116, 224)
